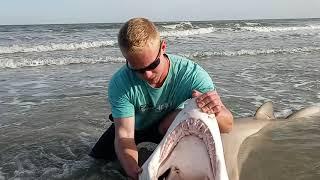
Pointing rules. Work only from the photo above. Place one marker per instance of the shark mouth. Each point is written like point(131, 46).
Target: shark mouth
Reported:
point(191, 127)
point(191, 149)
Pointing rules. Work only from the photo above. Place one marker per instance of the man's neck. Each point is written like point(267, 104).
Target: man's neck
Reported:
point(166, 72)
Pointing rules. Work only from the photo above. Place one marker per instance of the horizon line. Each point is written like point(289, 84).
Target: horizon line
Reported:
point(73, 23)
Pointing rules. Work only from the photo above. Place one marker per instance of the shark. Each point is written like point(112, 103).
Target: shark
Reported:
point(193, 147)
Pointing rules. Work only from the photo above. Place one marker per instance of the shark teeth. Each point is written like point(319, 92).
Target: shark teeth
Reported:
point(190, 127)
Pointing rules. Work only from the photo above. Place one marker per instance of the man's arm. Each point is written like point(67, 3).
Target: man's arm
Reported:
point(211, 103)
point(126, 147)
point(224, 119)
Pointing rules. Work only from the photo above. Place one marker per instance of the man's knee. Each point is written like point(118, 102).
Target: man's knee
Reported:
point(104, 147)
point(162, 129)
point(166, 122)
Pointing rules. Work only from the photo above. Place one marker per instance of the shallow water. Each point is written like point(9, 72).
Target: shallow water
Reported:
point(53, 86)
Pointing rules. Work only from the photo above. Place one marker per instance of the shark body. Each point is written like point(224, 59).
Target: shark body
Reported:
point(194, 149)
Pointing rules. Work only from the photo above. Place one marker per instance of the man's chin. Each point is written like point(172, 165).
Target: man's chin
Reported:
point(152, 81)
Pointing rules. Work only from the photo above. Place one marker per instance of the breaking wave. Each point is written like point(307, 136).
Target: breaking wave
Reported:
point(187, 28)
point(280, 29)
point(182, 33)
point(9, 63)
point(182, 25)
point(252, 52)
point(179, 30)
point(55, 47)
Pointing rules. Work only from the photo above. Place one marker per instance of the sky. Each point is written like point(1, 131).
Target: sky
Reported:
point(108, 11)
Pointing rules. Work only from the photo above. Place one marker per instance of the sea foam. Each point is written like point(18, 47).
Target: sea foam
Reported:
point(280, 29)
point(181, 33)
point(182, 25)
point(55, 47)
point(252, 52)
point(9, 63)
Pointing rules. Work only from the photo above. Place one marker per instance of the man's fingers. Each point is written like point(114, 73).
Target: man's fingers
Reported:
point(207, 95)
point(211, 100)
point(211, 109)
point(196, 93)
point(217, 109)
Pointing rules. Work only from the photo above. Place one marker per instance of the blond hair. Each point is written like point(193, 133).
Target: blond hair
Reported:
point(136, 34)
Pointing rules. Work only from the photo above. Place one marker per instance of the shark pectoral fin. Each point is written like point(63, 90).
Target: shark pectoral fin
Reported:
point(265, 111)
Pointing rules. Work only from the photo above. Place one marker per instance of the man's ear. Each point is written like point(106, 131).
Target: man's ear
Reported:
point(164, 45)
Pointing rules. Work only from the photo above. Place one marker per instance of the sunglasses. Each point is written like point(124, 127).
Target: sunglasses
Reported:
point(152, 66)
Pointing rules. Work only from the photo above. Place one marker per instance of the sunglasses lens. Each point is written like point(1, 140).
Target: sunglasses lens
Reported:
point(141, 71)
point(152, 66)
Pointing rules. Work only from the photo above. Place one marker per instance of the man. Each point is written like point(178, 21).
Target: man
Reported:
point(147, 93)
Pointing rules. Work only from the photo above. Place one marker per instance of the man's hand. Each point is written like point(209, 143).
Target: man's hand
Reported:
point(211, 103)
point(126, 147)
point(208, 102)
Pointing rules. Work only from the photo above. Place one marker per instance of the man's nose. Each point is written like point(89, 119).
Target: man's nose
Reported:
point(147, 74)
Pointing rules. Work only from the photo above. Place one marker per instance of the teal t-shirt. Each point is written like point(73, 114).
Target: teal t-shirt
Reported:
point(131, 96)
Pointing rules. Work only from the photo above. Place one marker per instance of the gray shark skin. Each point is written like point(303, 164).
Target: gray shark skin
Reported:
point(245, 127)
point(191, 157)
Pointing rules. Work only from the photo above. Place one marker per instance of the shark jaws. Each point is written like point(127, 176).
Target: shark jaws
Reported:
point(194, 149)
point(191, 149)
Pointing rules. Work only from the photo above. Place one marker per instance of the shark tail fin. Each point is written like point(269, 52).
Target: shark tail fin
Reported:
point(305, 112)
point(265, 111)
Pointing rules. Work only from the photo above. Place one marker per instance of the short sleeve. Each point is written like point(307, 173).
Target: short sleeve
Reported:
point(121, 107)
point(202, 81)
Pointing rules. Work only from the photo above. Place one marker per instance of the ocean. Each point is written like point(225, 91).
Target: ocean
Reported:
point(54, 78)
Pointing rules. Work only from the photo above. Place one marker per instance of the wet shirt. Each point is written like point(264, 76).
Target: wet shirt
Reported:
point(131, 96)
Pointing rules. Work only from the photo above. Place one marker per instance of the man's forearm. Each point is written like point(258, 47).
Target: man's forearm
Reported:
point(127, 154)
point(225, 120)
